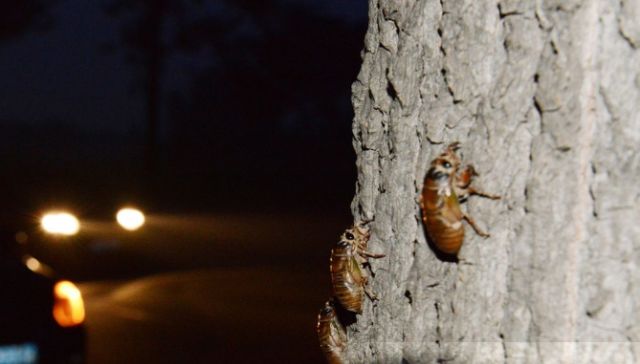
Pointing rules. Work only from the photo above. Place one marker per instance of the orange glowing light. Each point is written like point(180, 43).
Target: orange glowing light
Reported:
point(68, 308)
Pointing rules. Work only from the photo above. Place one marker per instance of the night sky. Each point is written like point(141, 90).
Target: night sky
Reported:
point(65, 74)
point(254, 106)
point(75, 73)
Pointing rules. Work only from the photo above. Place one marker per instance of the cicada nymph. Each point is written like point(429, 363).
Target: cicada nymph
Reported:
point(348, 274)
point(445, 187)
point(331, 334)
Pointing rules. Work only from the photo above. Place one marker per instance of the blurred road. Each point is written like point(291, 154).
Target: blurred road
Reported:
point(240, 290)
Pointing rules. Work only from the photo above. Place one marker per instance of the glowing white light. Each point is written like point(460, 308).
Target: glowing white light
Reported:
point(60, 223)
point(130, 218)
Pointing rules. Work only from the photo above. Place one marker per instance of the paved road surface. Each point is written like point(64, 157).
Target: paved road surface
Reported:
point(228, 315)
point(241, 290)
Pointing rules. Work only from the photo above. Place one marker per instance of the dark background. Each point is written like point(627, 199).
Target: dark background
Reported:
point(227, 122)
point(178, 105)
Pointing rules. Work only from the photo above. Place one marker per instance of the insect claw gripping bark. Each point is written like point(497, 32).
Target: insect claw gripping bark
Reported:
point(445, 186)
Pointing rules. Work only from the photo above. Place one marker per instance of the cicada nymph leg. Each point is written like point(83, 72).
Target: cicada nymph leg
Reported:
point(363, 258)
point(473, 191)
point(464, 189)
point(464, 178)
point(369, 292)
point(365, 254)
point(475, 227)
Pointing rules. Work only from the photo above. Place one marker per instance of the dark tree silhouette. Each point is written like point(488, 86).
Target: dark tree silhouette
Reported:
point(19, 17)
point(142, 36)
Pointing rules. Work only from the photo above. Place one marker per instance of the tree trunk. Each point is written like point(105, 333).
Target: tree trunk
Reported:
point(544, 97)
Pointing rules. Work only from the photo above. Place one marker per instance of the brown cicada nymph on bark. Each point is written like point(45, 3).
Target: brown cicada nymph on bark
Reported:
point(331, 334)
point(446, 185)
point(348, 275)
point(349, 280)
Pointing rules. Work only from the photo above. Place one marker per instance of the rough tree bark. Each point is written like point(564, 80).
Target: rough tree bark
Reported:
point(545, 98)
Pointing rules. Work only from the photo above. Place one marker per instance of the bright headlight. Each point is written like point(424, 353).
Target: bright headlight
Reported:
point(130, 218)
point(60, 223)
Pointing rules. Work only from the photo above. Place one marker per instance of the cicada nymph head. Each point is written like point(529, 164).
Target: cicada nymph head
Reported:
point(445, 166)
point(357, 233)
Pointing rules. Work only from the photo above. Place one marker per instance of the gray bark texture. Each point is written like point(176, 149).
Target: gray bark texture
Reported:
point(544, 97)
